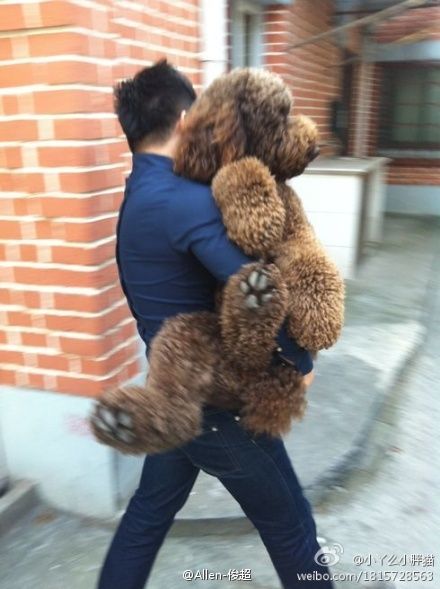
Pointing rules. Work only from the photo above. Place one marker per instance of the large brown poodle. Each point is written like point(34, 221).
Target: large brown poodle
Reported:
point(241, 137)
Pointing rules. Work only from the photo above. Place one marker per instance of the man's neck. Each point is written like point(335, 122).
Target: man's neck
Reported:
point(167, 149)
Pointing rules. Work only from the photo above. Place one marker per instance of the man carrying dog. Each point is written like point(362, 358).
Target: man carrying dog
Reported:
point(160, 281)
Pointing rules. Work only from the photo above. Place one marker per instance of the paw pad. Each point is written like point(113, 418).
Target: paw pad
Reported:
point(113, 423)
point(257, 288)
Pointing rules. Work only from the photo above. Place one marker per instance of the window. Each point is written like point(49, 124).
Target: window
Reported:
point(246, 33)
point(410, 113)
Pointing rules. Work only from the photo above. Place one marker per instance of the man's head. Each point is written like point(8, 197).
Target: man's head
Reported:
point(150, 105)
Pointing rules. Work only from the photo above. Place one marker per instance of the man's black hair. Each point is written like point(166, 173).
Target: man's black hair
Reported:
point(148, 106)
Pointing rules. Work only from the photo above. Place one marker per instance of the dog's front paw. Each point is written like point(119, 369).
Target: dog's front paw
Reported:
point(258, 288)
point(113, 426)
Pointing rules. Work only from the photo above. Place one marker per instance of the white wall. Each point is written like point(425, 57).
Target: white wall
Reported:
point(333, 206)
point(47, 440)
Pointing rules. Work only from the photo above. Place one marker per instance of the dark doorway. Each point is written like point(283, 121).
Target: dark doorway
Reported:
point(341, 108)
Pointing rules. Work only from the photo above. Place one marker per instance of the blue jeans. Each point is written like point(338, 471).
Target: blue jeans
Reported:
point(256, 470)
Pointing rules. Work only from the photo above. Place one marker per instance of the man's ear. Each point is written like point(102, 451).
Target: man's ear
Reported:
point(181, 122)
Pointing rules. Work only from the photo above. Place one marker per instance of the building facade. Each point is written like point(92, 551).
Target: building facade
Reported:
point(65, 332)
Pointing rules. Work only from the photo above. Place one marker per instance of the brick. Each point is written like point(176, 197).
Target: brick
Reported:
point(57, 362)
point(87, 231)
point(57, 101)
point(19, 318)
point(76, 181)
point(11, 17)
point(22, 181)
point(11, 357)
point(91, 180)
point(72, 100)
point(6, 48)
point(99, 367)
point(59, 43)
point(91, 388)
point(81, 155)
point(55, 13)
point(37, 381)
point(68, 71)
point(64, 277)
point(89, 303)
point(34, 339)
point(10, 229)
point(124, 332)
point(7, 376)
point(18, 130)
point(85, 128)
point(16, 16)
point(89, 325)
point(84, 256)
point(10, 156)
point(29, 252)
point(83, 346)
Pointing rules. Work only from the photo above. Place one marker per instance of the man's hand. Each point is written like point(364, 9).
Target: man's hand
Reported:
point(309, 378)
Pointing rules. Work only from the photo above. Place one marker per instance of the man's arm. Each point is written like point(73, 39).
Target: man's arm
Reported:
point(197, 227)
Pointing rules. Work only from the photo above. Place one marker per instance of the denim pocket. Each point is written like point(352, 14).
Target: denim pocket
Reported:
point(211, 451)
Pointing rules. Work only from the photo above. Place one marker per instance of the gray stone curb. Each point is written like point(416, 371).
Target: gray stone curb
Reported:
point(357, 456)
point(16, 502)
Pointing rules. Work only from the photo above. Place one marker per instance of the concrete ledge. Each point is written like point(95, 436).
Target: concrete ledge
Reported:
point(16, 502)
point(47, 439)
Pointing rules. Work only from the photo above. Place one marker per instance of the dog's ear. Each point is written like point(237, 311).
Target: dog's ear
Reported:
point(212, 137)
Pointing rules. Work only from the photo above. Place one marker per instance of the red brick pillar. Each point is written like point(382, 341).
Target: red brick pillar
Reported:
point(65, 325)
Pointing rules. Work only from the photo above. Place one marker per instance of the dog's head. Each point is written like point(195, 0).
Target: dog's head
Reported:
point(246, 112)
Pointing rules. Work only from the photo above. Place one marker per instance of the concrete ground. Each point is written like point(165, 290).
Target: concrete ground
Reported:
point(383, 513)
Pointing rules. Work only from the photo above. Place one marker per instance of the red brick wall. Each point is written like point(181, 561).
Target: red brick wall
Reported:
point(151, 29)
point(64, 321)
point(312, 71)
point(421, 172)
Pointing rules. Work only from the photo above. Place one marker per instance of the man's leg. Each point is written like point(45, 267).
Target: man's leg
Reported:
point(165, 484)
point(258, 473)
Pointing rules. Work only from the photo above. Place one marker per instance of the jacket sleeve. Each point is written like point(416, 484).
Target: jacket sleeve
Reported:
point(195, 226)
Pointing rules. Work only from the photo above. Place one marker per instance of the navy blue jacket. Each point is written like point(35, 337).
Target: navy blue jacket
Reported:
point(172, 250)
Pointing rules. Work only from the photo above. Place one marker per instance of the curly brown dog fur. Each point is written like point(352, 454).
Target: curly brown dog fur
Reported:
point(240, 136)
point(207, 358)
point(250, 200)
